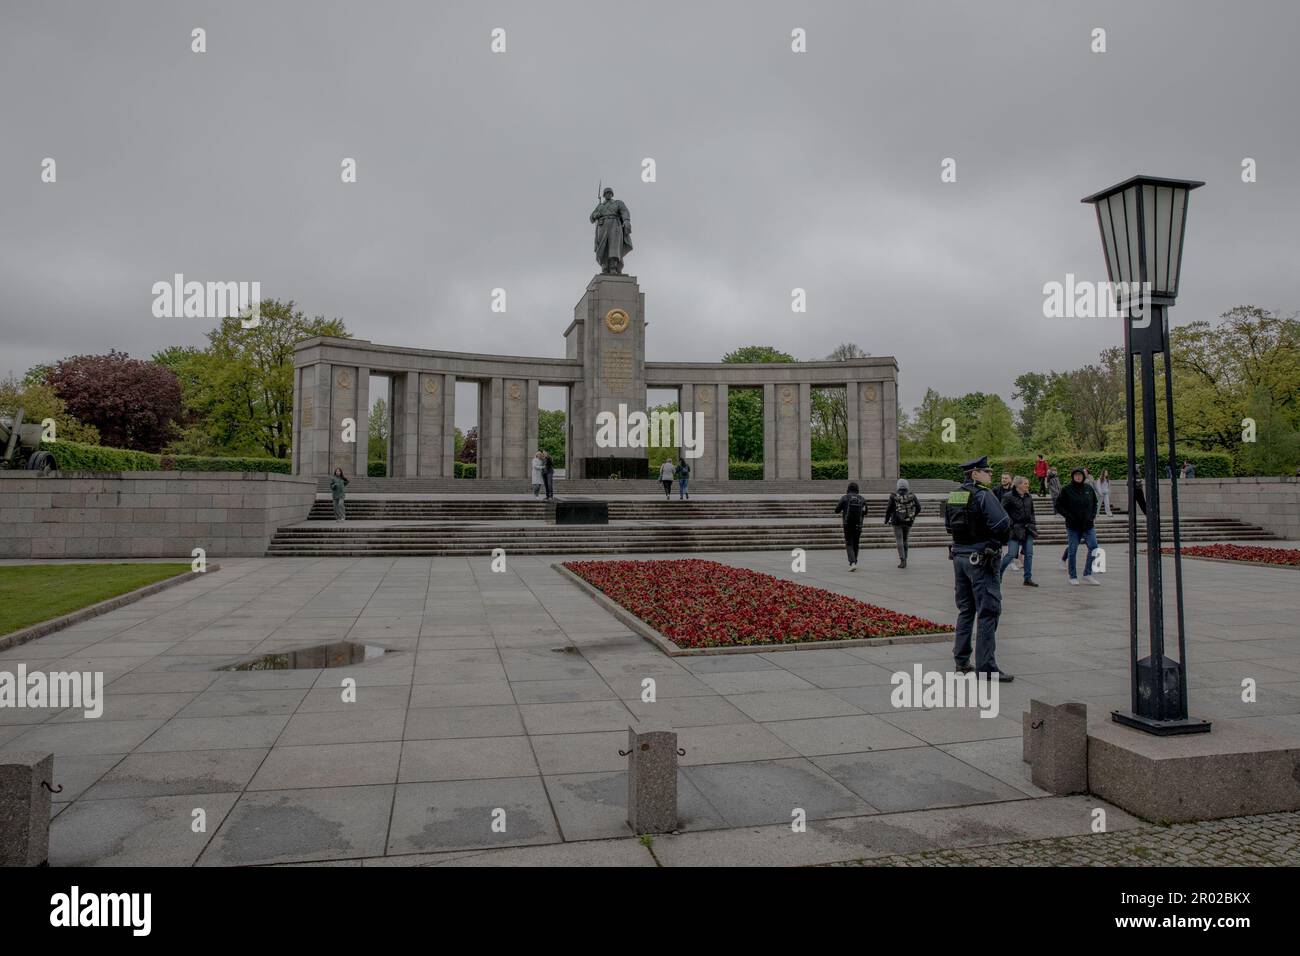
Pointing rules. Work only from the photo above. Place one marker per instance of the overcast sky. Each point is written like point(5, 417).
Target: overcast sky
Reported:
point(775, 170)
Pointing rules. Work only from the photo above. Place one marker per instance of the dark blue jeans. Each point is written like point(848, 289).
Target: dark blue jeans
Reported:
point(1014, 548)
point(1089, 538)
point(979, 595)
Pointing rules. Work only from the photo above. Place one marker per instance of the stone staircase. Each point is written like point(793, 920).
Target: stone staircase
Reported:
point(476, 527)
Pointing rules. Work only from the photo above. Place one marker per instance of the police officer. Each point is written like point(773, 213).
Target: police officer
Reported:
point(979, 527)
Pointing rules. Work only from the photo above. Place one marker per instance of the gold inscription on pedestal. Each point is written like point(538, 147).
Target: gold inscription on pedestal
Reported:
point(616, 366)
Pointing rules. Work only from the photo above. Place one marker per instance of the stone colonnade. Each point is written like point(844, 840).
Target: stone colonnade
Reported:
point(604, 366)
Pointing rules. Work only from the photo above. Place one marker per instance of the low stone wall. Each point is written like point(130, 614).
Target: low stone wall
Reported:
point(153, 514)
point(1270, 503)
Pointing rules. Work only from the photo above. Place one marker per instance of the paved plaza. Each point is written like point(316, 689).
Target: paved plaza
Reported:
point(513, 692)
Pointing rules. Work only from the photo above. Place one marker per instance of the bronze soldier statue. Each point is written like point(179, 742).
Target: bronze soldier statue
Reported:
point(613, 233)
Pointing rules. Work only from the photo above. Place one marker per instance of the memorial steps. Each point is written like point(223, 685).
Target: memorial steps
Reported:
point(466, 528)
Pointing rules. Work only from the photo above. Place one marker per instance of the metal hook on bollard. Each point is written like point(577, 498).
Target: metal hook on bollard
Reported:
point(681, 751)
point(1037, 723)
point(46, 785)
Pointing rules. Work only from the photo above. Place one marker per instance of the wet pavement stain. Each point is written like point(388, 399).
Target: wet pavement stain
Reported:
point(337, 654)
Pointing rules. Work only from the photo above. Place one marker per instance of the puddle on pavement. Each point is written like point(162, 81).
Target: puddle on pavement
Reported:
point(338, 654)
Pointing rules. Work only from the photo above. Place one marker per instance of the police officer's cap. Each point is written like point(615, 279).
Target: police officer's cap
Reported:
point(979, 463)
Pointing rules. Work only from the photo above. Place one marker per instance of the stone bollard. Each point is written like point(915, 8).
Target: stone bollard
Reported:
point(1057, 746)
point(651, 778)
point(25, 808)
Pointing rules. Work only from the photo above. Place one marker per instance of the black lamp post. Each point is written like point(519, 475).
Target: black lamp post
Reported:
point(1142, 222)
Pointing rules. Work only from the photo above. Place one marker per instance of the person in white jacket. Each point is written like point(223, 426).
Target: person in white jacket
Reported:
point(536, 466)
point(666, 478)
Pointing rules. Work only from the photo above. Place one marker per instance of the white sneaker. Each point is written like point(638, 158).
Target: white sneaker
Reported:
point(1089, 579)
point(1065, 565)
point(1074, 580)
point(1014, 566)
point(853, 566)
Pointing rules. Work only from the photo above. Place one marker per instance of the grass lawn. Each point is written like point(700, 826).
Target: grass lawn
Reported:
point(31, 593)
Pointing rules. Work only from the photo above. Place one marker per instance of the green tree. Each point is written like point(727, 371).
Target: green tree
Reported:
point(39, 402)
point(377, 440)
point(995, 431)
point(745, 405)
point(923, 434)
point(1276, 448)
point(1051, 433)
point(1029, 391)
point(240, 388)
point(550, 435)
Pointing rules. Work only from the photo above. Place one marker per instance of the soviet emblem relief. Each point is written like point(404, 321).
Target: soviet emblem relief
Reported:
point(616, 320)
point(344, 380)
point(868, 393)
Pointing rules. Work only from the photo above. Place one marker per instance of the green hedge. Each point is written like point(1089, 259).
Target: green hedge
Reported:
point(1209, 464)
point(745, 470)
point(278, 466)
point(466, 469)
point(74, 456)
point(831, 469)
point(376, 469)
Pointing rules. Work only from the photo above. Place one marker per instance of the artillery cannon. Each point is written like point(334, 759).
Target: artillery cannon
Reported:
point(21, 446)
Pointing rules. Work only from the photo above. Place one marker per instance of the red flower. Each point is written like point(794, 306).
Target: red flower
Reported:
point(1240, 552)
point(696, 603)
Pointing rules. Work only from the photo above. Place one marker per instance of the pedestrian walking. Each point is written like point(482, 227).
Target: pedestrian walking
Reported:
point(853, 509)
point(1103, 486)
point(338, 491)
point(979, 527)
point(683, 474)
point(548, 475)
point(1053, 484)
point(1019, 506)
point(535, 467)
point(1077, 504)
point(666, 478)
point(1139, 493)
point(1004, 487)
point(1189, 470)
point(901, 512)
point(1040, 472)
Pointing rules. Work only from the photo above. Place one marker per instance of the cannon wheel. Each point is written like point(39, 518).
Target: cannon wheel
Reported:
point(42, 461)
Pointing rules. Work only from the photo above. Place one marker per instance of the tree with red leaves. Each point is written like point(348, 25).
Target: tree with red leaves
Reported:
point(134, 404)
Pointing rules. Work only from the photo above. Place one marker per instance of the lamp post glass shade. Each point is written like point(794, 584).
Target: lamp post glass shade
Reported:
point(1142, 221)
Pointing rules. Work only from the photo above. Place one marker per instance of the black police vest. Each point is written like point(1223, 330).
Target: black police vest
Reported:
point(963, 518)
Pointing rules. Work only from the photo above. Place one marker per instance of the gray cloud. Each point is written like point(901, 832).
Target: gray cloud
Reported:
point(775, 170)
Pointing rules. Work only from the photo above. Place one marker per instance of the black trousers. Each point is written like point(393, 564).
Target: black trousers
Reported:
point(852, 535)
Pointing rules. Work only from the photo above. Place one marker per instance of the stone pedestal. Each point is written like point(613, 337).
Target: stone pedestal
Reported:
point(607, 336)
point(25, 808)
point(577, 512)
point(652, 778)
point(1057, 746)
point(1232, 771)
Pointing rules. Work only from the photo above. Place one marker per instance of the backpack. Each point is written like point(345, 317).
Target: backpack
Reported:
point(855, 509)
point(960, 517)
point(903, 513)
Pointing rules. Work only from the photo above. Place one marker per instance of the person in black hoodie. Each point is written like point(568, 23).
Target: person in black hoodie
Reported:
point(1077, 504)
point(1019, 506)
point(854, 509)
point(901, 512)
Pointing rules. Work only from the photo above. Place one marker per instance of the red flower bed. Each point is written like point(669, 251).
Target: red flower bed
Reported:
point(698, 603)
point(1241, 552)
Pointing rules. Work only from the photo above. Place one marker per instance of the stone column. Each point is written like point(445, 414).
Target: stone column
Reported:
point(805, 431)
point(890, 462)
point(311, 420)
point(531, 439)
point(723, 433)
point(514, 428)
point(490, 426)
point(344, 391)
point(361, 461)
point(296, 427)
point(448, 459)
point(771, 433)
point(404, 439)
point(852, 406)
point(871, 429)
